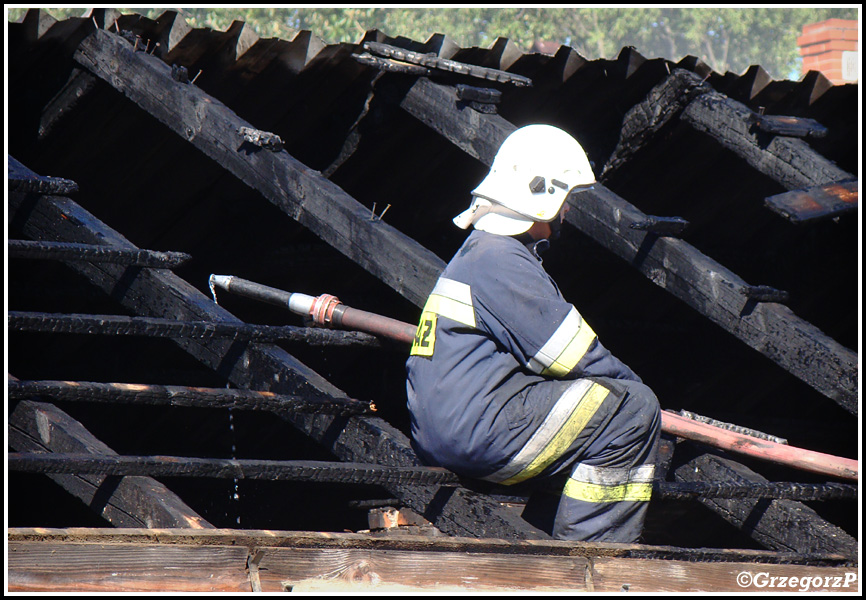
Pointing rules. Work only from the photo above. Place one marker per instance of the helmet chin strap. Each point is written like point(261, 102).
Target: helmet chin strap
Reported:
point(539, 247)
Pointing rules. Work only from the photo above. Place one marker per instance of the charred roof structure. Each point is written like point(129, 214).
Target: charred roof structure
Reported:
point(717, 258)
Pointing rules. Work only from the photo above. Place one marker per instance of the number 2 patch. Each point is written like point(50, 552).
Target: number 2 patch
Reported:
point(425, 335)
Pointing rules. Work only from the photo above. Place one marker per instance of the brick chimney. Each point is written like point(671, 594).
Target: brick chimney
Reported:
point(831, 48)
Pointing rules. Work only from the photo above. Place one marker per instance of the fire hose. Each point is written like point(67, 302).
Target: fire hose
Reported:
point(326, 310)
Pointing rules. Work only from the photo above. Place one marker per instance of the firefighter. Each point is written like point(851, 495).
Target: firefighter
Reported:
point(508, 383)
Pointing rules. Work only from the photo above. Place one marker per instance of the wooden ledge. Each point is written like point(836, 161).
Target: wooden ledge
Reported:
point(82, 559)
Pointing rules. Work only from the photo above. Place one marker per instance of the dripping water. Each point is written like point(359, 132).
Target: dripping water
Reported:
point(234, 497)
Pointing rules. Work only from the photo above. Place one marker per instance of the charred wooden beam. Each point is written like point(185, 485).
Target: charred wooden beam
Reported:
point(643, 122)
point(789, 161)
point(436, 106)
point(716, 292)
point(443, 64)
point(818, 202)
point(356, 473)
point(22, 180)
point(263, 367)
point(172, 328)
point(123, 502)
point(42, 250)
point(759, 139)
point(783, 525)
point(678, 267)
point(391, 66)
point(78, 86)
point(228, 468)
point(776, 490)
point(173, 395)
point(300, 192)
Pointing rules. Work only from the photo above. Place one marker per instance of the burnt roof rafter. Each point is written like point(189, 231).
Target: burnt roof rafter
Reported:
point(133, 502)
point(300, 192)
point(770, 522)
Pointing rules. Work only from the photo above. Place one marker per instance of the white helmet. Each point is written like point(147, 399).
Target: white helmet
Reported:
point(533, 172)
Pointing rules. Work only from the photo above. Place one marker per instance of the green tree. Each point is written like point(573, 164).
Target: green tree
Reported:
point(727, 39)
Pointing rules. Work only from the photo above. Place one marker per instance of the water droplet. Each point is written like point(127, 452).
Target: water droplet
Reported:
point(235, 496)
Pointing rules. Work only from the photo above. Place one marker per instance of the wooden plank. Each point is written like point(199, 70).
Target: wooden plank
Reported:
point(676, 266)
point(818, 202)
point(613, 575)
point(300, 192)
point(264, 367)
point(365, 570)
point(252, 538)
point(783, 525)
point(64, 567)
point(124, 502)
point(48, 559)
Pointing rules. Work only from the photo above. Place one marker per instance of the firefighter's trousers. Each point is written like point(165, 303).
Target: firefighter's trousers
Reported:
point(600, 489)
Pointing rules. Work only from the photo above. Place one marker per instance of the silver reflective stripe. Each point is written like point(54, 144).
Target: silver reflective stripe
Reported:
point(453, 300)
point(564, 349)
point(563, 424)
point(613, 475)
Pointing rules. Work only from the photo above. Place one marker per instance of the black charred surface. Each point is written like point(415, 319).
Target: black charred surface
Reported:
point(165, 179)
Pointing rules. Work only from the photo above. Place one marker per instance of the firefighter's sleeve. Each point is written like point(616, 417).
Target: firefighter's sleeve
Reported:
point(547, 335)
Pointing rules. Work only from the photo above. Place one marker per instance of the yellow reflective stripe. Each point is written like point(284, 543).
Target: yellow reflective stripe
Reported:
point(452, 299)
point(564, 349)
point(582, 412)
point(452, 309)
point(594, 492)
point(610, 484)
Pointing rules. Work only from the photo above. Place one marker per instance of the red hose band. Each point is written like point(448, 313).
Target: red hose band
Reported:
point(323, 309)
